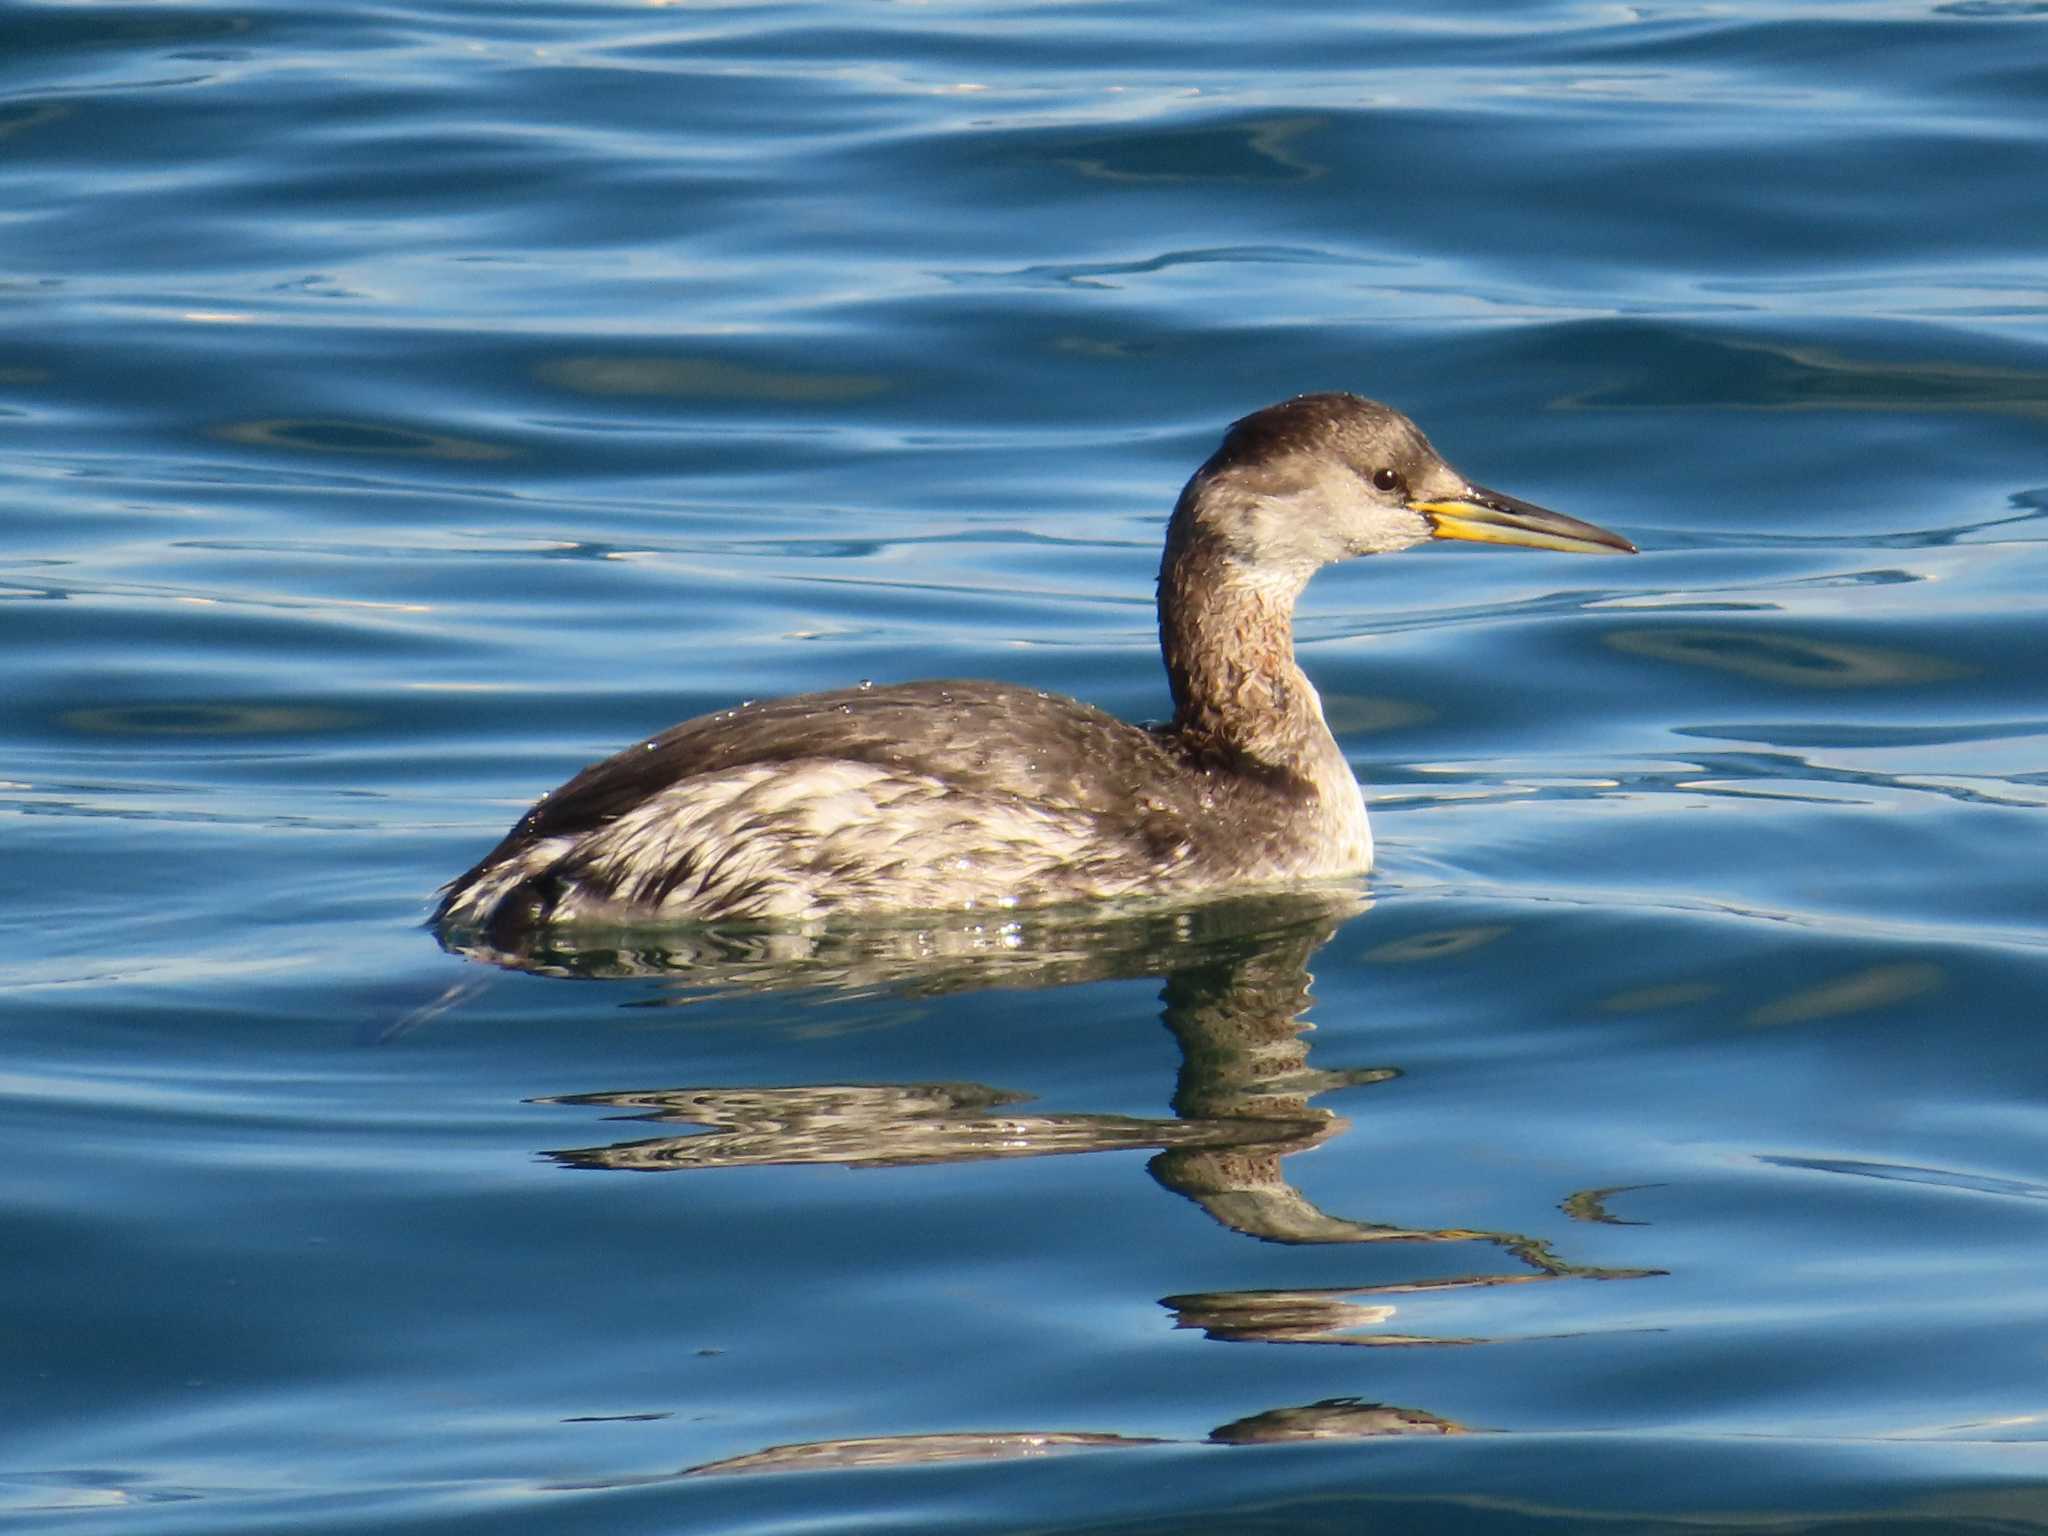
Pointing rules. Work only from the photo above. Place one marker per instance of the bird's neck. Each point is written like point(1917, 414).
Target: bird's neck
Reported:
point(1228, 637)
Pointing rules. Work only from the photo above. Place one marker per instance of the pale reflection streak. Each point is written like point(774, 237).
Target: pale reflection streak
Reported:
point(883, 1451)
point(871, 1125)
point(1358, 1316)
point(1333, 1418)
point(1876, 986)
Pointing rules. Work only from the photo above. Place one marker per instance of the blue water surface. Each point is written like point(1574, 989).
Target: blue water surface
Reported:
point(404, 405)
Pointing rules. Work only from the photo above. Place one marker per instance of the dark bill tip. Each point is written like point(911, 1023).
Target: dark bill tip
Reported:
point(1488, 517)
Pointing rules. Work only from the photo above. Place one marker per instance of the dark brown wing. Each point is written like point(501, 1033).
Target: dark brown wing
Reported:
point(976, 735)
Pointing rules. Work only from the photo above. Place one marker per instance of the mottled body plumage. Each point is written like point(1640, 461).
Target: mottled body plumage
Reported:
point(951, 795)
point(928, 795)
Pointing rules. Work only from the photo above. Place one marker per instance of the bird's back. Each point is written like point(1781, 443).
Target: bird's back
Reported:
point(935, 794)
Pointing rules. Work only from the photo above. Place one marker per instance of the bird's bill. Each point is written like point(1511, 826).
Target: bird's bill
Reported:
point(1487, 517)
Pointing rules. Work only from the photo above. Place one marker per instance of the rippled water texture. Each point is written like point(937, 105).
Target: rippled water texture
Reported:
point(403, 406)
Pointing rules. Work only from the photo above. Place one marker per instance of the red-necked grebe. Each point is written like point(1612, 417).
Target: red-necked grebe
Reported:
point(964, 795)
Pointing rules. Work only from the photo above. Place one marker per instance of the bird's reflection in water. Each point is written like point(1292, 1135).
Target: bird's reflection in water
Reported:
point(1236, 997)
point(929, 956)
point(1336, 1418)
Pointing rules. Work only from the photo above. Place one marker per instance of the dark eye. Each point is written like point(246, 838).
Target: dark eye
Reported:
point(1389, 480)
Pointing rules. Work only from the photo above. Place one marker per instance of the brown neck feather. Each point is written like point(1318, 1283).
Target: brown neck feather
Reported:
point(1228, 639)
